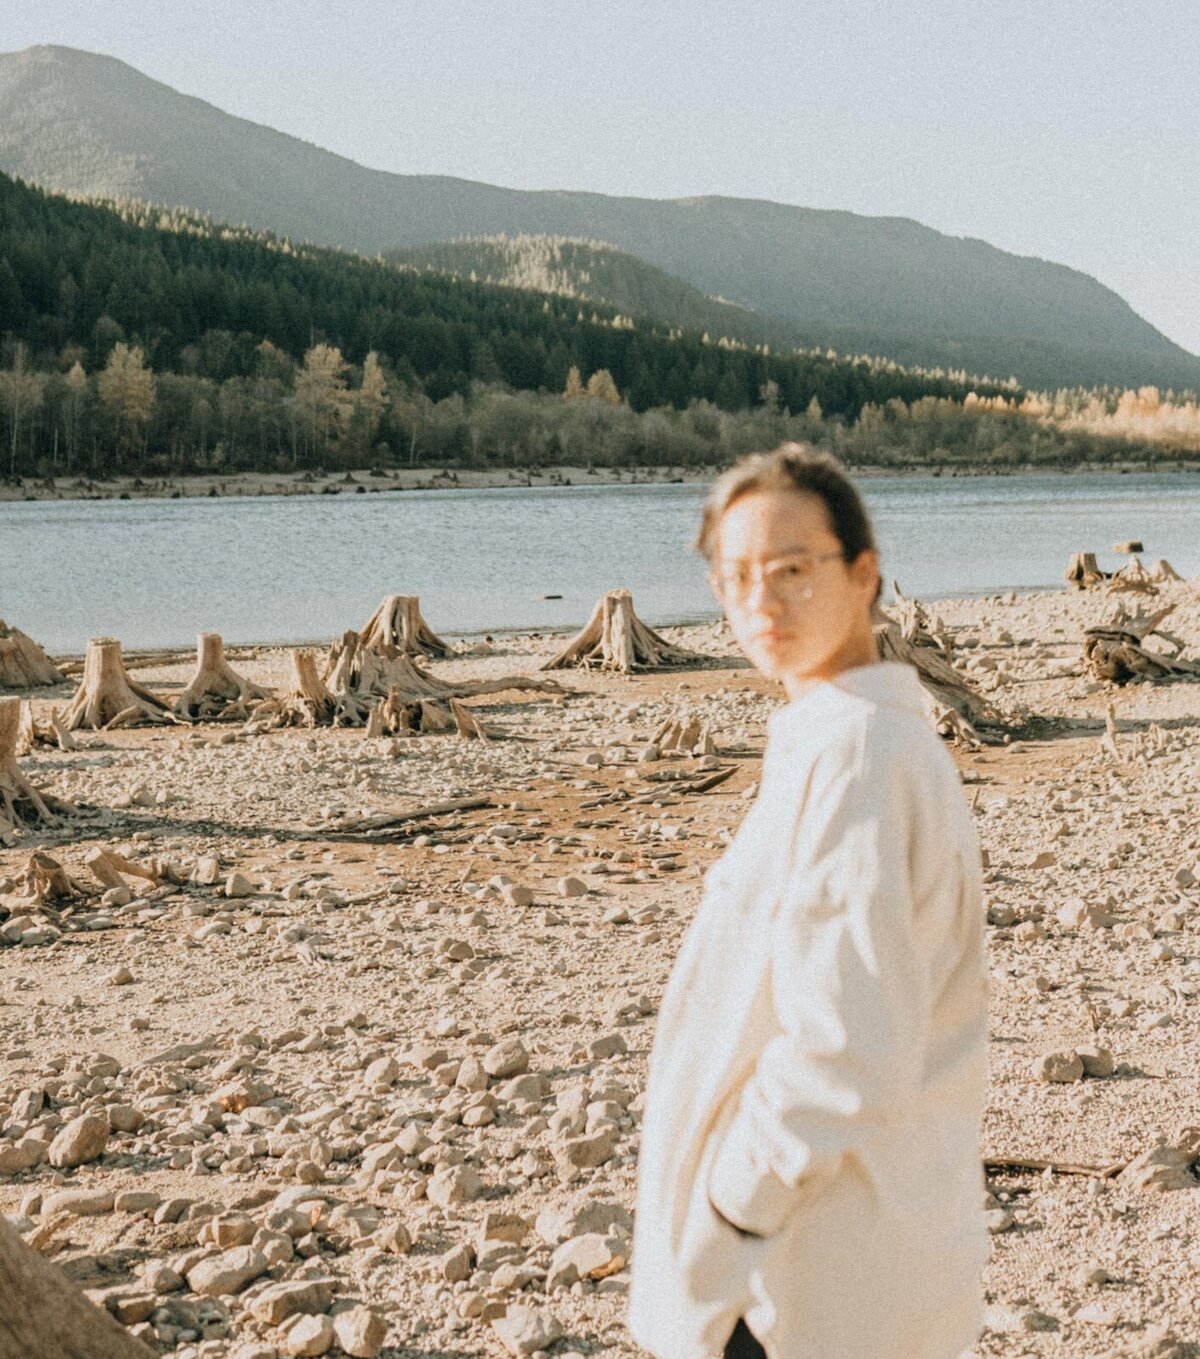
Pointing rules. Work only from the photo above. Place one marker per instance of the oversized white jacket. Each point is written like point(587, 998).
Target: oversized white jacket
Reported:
point(818, 1069)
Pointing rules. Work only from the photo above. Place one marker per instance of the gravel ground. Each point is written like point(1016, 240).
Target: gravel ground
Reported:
point(327, 1086)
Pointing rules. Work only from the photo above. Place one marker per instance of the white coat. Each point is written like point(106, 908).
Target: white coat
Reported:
point(818, 1070)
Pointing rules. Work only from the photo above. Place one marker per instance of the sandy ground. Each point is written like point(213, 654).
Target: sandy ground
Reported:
point(371, 1060)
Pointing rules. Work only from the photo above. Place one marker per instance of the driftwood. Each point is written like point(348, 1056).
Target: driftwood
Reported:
point(957, 708)
point(355, 674)
point(107, 866)
point(23, 664)
point(43, 1315)
point(216, 690)
point(21, 804)
point(1083, 571)
point(396, 628)
point(107, 697)
point(305, 702)
point(615, 638)
point(1114, 650)
point(461, 804)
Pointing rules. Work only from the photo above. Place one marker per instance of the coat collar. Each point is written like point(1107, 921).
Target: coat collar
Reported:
point(886, 684)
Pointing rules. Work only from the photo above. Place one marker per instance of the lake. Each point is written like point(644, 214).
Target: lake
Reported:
point(290, 569)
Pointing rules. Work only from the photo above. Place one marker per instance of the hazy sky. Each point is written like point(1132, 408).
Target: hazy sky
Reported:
point(1068, 129)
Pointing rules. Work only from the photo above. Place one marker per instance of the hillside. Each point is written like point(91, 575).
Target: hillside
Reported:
point(93, 125)
point(596, 272)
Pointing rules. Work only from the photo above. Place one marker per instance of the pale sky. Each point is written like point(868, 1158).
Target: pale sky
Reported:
point(1068, 129)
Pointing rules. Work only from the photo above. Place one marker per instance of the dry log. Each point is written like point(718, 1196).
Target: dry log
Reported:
point(615, 638)
point(107, 866)
point(216, 690)
point(21, 804)
point(107, 697)
point(1083, 571)
point(43, 1315)
point(23, 663)
point(1115, 652)
point(396, 628)
point(306, 702)
point(956, 707)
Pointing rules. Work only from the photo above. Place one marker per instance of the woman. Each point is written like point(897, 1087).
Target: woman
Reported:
point(809, 1180)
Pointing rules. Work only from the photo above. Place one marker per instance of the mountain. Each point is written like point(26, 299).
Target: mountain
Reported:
point(595, 272)
point(90, 124)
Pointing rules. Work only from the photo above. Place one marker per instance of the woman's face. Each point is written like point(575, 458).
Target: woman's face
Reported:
point(797, 608)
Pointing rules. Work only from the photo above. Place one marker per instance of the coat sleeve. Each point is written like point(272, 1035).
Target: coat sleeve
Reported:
point(849, 991)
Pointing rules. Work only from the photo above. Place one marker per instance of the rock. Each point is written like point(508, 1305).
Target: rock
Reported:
point(136, 1201)
point(161, 1278)
point(584, 1215)
point(227, 1273)
point(1058, 1067)
point(1162, 1168)
point(514, 894)
point(360, 1331)
point(125, 1118)
point(525, 1330)
point(79, 1202)
point(23, 1154)
point(307, 1335)
point(607, 1045)
point(453, 1184)
point(80, 1141)
point(507, 1058)
point(1097, 1061)
point(572, 887)
point(498, 1225)
point(120, 976)
point(585, 1153)
point(238, 885)
point(382, 1074)
point(457, 1263)
point(592, 1256)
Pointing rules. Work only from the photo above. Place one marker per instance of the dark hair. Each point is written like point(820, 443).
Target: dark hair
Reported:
point(791, 467)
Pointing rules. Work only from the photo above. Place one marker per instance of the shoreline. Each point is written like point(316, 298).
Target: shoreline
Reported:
point(364, 481)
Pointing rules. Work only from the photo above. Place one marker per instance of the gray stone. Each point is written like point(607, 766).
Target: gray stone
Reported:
point(227, 1273)
point(80, 1141)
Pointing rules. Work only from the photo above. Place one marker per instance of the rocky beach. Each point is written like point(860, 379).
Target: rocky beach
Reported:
point(289, 1070)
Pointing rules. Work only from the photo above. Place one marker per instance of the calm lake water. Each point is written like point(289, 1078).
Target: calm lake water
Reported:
point(278, 569)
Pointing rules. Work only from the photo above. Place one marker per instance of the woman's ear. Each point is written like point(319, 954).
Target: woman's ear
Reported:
point(864, 572)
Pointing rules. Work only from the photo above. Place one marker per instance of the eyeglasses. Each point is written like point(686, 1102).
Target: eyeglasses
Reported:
point(786, 577)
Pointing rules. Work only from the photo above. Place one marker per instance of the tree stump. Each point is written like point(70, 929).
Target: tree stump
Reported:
point(396, 628)
point(21, 804)
point(306, 702)
point(216, 691)
point(468, 723)
point(1083, 571)
point(615, 638)
point(1164, 572)
point(1132, 578)
point(43, 1315)
point(107, 697)
point(23, 664)
point(957, 707)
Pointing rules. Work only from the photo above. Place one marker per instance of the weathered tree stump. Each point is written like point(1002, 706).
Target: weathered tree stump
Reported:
point(216, 691)
point(21, 804)
point(1164, 572)
point(107, 697)
point(43, 1315)
point(23, 664)
point(48, 732)
point(305, 702)
point(396, 628)
point(683, 736)
point(468, 723)
point(1083, 571)
point(1115, 653)
point(956, 706)
point(1132, 578)
point(615, 638)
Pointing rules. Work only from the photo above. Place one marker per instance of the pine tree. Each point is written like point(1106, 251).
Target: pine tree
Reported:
point(127, 389)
